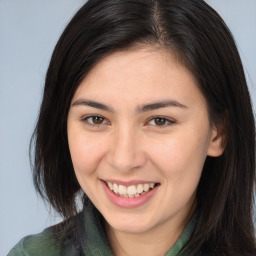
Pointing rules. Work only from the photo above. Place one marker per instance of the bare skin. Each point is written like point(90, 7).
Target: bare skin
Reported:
point(139, 117)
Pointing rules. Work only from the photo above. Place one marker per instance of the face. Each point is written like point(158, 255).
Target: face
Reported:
point(139, 134)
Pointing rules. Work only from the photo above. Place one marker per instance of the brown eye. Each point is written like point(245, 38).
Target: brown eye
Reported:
point(160, 121)
point(97, 120)
point(94, 120)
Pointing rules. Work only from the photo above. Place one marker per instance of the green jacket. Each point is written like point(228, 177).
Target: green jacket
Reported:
point(94, 242)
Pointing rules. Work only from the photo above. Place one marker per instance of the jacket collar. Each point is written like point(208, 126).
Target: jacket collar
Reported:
point(96, 242)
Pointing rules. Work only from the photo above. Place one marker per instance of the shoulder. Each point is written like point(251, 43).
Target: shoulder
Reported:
point(44, 243)
point(48, 242)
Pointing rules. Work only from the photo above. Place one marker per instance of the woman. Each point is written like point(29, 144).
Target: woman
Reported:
point(146, 116)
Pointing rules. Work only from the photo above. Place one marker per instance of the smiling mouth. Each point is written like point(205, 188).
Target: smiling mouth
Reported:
point(131, 191)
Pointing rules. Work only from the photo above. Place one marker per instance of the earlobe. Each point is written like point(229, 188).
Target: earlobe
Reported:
point(217, 143)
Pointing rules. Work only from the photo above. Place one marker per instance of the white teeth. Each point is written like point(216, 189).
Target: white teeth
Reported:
point(130, 191)
point(115, 188)
point(146, 187)
point(140, 188)
point(122, 190)
point(110, 185)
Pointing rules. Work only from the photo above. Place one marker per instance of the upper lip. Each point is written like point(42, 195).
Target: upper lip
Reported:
point(129, 183)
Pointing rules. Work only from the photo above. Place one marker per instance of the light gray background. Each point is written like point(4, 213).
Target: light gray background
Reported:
point(29, 30)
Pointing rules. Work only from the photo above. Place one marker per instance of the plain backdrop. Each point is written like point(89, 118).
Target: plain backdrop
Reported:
point(29, 30)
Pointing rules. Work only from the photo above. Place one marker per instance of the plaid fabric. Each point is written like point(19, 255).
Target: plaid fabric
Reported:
point(95, 244)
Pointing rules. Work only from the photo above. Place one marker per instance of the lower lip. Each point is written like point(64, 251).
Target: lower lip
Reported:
point(128, 202)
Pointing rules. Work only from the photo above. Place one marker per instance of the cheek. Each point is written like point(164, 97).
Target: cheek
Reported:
point(180, 164)
point(86, 152)
point(180, 156)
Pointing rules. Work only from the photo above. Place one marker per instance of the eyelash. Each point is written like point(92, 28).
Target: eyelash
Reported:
point(86, 118)
point(167, 120)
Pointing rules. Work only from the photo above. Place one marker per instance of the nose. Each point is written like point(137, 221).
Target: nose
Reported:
point(125, 151)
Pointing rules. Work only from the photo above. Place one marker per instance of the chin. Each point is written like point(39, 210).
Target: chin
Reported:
point(132, 225)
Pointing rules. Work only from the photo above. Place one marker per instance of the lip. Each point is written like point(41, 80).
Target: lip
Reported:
point(126, 202)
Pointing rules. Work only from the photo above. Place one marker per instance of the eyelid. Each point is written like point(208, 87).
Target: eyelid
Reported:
point(169, 121)
point(85, 120)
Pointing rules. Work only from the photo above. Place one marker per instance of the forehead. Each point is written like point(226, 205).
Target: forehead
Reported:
point(143, 74)
point(132, 61)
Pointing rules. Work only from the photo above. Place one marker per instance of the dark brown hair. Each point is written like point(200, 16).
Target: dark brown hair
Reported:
point(200, 39)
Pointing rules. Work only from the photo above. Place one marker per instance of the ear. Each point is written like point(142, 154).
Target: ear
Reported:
point(217, 142)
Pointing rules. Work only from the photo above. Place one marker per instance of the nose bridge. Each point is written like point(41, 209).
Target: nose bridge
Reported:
point(125, 151)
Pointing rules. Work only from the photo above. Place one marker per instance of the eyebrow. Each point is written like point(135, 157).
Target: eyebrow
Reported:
point(161, 104)
point(140, 109)
point(93, 104)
